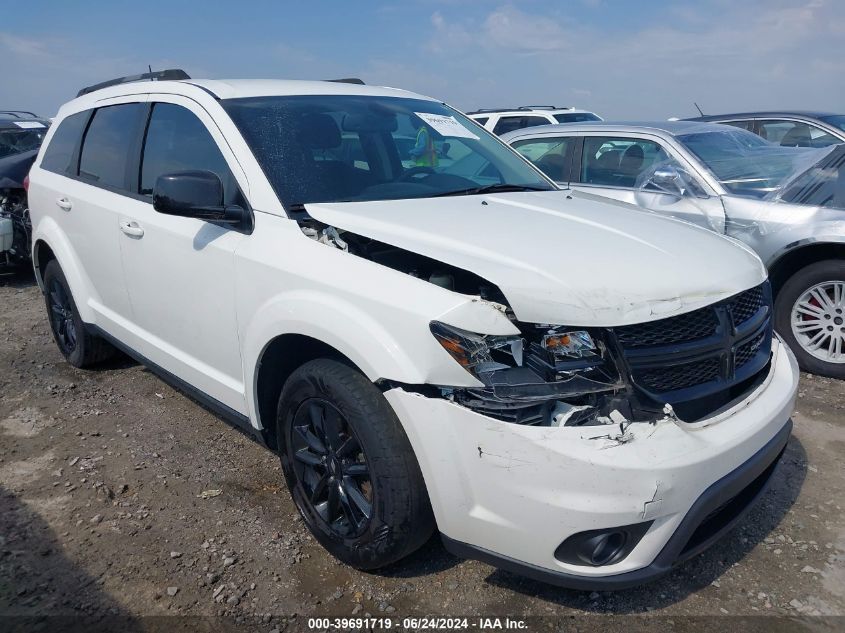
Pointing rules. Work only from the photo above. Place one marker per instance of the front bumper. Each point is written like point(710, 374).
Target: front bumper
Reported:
point(511, 494)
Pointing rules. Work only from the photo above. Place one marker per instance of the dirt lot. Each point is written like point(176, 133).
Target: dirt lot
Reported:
point(101, 514)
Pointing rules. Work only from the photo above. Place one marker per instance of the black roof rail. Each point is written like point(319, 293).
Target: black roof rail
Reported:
point(160, 75)
point(518, 109)
point(348, 80)
point(17, 114)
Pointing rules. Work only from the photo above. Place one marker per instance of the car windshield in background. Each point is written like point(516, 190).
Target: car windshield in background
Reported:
point(16, 141)
point(836, 120)
point(329, 148)
point(746, 164)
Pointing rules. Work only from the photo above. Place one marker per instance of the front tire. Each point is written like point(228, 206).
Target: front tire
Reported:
point(810, 316)
point(77, 345)
point(350, 467)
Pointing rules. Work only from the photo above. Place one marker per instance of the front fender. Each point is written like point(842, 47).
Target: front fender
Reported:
point(381, 348)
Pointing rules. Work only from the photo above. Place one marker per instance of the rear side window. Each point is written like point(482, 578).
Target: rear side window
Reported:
point(60, 151)
point(178, 141)
point(575, 117)
point(108, 143)
point(743, 125)
point(795, 134)
point(510, 123)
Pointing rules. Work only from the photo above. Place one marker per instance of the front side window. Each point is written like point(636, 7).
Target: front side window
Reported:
point(618, 162)
point(177, 140)
point(795, 134)
point(59, 153)
point(552, 155)
point(481, 120)
point(345, 148)
point(507, 124)
point(107, 144)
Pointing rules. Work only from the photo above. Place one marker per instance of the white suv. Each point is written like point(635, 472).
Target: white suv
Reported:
point(507, 120)
point(573, 389)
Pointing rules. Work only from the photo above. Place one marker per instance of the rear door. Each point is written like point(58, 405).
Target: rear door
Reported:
point(180, 271)
point(623, 166)
point(85, 187)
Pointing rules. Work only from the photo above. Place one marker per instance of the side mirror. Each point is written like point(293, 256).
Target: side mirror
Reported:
point(194, 194)
point(668, 180)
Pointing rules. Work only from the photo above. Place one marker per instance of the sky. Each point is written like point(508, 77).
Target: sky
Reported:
point(635, 60)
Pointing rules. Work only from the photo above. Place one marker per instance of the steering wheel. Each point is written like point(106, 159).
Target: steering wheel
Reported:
point(415, 171)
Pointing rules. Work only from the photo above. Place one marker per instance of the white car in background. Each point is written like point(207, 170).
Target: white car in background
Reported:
point(572, 389)
point(506, 120)
point(787, 203)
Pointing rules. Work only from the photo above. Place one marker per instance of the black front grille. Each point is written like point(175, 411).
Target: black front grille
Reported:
point(703, 353)
point(747, 304)
point(686, 327)
point(680, 376)
point(747, 351)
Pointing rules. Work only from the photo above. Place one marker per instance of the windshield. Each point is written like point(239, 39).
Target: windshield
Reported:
point(746, 164)
point(14, 141)
point(836, 120)
point(328, 148)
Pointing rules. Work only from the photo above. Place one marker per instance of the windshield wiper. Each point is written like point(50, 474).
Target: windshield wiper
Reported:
point(497, 188)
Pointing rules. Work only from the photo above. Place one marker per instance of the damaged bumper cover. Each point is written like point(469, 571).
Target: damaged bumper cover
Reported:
point(513, 494)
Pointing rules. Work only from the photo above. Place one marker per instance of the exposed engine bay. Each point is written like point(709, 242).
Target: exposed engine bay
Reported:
point(15, 225)
point(554, 375)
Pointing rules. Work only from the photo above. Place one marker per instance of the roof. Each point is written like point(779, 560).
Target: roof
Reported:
point(810, 114)
point(526, 109)
point(237, 88)
point(672, 128)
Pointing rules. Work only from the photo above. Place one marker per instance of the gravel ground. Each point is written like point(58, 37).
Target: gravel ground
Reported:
point(107, 508)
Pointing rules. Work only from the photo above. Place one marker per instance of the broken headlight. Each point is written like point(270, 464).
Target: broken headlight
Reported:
point(528, 377)
point(479, 353)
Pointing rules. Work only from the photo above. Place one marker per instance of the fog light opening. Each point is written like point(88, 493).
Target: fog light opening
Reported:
point(601, 547)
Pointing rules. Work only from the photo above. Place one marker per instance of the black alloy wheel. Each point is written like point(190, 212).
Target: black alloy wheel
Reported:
point(331, 467)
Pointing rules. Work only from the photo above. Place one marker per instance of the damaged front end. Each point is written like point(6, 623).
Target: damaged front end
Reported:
point(684, 367)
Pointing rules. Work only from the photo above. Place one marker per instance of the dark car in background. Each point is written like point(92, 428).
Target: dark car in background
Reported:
point(21, 134)
point(788, 129)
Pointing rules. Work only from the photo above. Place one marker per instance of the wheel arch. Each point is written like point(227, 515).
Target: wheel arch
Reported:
point(42, 254)
point(788, 263)
point(278, 360)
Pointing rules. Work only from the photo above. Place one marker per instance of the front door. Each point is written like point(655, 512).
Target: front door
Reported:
point(180, 271)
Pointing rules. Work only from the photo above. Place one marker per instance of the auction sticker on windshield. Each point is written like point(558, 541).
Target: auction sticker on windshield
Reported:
point(28, 124)
point(445, 125)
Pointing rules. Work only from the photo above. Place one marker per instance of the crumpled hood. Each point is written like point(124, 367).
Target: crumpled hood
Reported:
point(563, 257)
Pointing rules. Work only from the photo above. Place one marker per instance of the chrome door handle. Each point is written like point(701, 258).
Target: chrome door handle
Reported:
point(133, 229)
point(64, 203)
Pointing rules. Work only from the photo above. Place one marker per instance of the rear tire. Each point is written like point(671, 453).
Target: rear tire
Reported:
point(350, 467)
point(810, 317)
point(79, 347)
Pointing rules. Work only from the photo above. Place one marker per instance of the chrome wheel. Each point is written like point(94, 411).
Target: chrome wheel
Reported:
point(330, 466)
point(818, 321)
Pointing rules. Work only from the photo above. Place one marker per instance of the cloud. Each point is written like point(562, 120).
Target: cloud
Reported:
point(728, 55)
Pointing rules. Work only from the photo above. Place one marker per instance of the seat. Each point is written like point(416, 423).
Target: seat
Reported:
point(631, 165)
point(555, 167)
point(604, 170)
point(798, 136)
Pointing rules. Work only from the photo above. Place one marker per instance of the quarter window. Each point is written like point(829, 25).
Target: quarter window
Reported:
point(618, 162)
point(552, 155)
point(59, 153)
point(108, 141)
point(795, 134)
point(177, 140)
